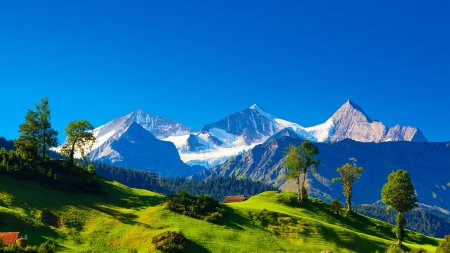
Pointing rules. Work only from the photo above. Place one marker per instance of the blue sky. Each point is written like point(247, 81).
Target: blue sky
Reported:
point(196, 62)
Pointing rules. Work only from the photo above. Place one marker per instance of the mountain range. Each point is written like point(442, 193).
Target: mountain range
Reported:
point(238, 132)
point(250, 144)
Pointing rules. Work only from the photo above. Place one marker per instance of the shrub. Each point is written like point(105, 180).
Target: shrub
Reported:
point(394, 249)
point(201, 207)
point(444, 246)
point(49, 218)
point(336, 206)
point(419, 250)
point(22, 242)
point(170, 242)
point(47, 247)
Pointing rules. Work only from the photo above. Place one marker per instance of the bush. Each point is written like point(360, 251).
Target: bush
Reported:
point(22, 242)
point(444, 246)
point(394, 249)
point(49, 218)
point(201, 207)
point(419, 250)
point(47, 247)
point(336, 206)
point(170, 242)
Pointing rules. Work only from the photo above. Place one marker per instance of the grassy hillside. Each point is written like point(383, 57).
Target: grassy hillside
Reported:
point(129, 218)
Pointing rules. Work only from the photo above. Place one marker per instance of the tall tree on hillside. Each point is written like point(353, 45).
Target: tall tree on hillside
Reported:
point(399, 193)
point(37, 134)
point(27, 143)
point(47, 136)
point(298, 161)
point(79, 139)
point(349, 174)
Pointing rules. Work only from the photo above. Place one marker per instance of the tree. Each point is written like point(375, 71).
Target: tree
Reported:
point(349, 174)
point(444, 246)
point(27, 143)
point(47, 136)
point(399, 193)
point(298, 161)
point(37, 134)
point(336, 206)
point(79, 139)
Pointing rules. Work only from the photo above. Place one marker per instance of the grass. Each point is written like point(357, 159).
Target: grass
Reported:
point(129, 218)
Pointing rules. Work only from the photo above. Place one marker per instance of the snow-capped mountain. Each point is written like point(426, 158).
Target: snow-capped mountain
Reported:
point(134, 141)
point(135, 147)
point(238, 132)
point(158, 126)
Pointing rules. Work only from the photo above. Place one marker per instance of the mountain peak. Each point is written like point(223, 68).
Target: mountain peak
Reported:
point(261, 111)
point(350, 121)
point(352, 106)
point(256, 107)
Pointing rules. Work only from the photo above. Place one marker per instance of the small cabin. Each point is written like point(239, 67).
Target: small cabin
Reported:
point(230, 199)
point(9, 238)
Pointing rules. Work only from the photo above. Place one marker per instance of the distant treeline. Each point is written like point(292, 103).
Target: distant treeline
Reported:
point(422, 221)
point(218, 188)
point(7, 144)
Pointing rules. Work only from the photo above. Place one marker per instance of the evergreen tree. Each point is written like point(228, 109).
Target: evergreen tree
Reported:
point(399, 193)
point(27, 143)
point(298, 161)
point(349, 174)
point(47, 136)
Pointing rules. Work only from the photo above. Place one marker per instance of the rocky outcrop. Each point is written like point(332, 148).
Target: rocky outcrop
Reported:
point(404, 133)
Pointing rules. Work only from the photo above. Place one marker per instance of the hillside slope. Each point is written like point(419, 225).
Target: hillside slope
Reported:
point(129, 218)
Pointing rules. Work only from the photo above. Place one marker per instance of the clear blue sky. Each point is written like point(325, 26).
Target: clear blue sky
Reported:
point(196, 62)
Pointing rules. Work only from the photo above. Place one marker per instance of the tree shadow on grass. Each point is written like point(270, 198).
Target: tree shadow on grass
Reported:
point(118, 196)
point(235, 220)
point(351, 241)
point(125, 218)
point(195, 247)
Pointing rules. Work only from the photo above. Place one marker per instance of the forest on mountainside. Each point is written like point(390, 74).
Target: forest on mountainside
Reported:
point(218, 188)
point(422, 221)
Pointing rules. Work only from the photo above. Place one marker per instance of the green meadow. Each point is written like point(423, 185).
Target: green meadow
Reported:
point(127, 219)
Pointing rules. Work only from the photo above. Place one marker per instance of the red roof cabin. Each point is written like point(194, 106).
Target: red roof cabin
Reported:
point(238, 198)
point(10, 238)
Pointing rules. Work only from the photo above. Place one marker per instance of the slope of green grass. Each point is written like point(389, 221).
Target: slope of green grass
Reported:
point(129, 218)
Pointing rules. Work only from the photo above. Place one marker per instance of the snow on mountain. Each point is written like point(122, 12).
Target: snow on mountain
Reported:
point(158, 126)
point(240, 131)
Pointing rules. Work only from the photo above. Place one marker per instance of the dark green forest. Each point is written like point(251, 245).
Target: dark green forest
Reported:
point(422, 221)
point(217, 188)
